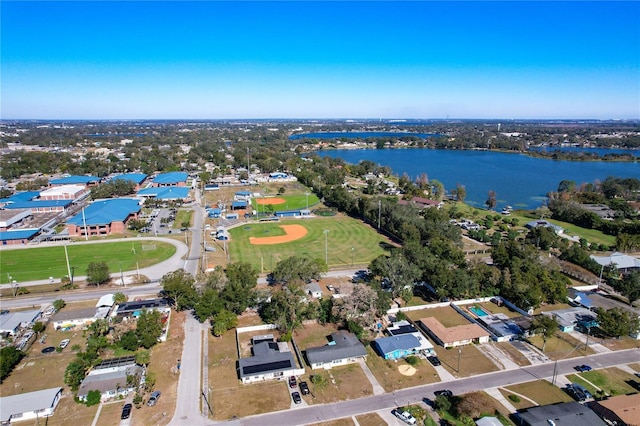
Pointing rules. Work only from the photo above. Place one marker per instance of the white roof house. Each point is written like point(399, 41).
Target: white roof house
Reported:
point(106, 300)
point(30, 405)
point(620, 260)
point(11, 322)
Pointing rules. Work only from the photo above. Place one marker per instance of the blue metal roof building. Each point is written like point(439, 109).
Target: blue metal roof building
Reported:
point(171, 178)
point(136, 178)
point(20, 196)
point(166, 192)
point(21, 235)
point(40, 205)
point(75, 180)
point(104, 212)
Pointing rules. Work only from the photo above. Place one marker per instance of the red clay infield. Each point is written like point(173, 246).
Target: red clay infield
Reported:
point(265, 201)
point(292, 233)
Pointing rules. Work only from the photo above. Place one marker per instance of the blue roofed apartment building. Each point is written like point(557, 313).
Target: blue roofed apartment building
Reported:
point(104, 217)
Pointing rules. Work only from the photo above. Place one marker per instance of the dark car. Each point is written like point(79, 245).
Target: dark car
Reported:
point(296, 397)
point(434, 360)
point(582, 368)
point(443, 392)
point(126, 411)
point(304, 388)
point(292, 382)
point(153, 398)
point(48, 350)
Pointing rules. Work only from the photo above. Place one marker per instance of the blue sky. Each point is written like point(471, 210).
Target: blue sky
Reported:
point(303, 59)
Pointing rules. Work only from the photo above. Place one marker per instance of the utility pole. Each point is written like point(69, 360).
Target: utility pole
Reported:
point(459, 354)
point(326, 247)
point(379, 213)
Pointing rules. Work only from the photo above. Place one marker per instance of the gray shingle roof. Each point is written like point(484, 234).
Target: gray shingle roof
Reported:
point(345, 345)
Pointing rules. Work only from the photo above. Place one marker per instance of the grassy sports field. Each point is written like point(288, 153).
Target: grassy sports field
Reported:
point(40, 263)
point(292, 202)
point(348, 241)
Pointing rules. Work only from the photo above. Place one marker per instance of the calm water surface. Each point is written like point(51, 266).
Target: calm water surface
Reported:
point(518, 180)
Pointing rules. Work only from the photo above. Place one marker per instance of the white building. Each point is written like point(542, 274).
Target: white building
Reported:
point(31, 405)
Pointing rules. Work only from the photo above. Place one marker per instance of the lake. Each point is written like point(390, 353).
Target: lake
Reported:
point(517, 179)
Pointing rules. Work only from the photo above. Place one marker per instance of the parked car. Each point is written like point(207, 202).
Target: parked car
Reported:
point(434, 360)
point(292, 382)
point(405, 416)
point(582, 368)
point(296, 397)
point(126, 411)
point(153, 398)
point(64, 343)
point(443, 392)
point(304, 388)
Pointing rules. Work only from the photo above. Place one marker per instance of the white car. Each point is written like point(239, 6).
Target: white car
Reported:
point(64, 343)
point(405, 416)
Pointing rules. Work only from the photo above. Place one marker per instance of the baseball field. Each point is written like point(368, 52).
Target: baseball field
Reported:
point(347, 242)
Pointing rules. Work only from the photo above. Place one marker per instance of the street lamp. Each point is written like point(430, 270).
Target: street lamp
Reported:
point(379, 213)
point(326, 247)
point(352, 249)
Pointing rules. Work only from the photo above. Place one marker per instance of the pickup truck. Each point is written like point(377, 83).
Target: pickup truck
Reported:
point(405, 416)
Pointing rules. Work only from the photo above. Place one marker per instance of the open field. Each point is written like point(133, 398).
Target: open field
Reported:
point(541, 391)
point(40, 263)
point(348, 241)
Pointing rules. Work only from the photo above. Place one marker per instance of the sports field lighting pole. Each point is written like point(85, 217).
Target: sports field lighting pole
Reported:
point(66, 255)
point(326, 247)
point(379, 213)
point(352, 249)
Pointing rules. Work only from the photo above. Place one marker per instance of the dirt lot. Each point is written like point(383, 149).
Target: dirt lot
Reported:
point(388, 375)
point(561, 346)
point(472, 361)
point(338, 384)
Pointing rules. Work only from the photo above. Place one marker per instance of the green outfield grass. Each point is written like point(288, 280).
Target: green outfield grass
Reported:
point(40, 263)
point(292, 202)
point(349, 241)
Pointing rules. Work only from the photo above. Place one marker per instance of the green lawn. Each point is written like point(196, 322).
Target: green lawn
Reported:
point(591, 235)
point(612, 381)
point(348, 241)
point(292, 202)
point(40, 263)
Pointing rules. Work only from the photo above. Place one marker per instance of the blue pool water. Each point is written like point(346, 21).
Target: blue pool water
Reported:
point(478, 311)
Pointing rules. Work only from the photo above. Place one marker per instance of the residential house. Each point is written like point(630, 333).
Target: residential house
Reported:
point(313, 289)
point(621, 410)
point(110, 378)
point(450, 337)
point(29, 406)
point(344, 348)
point(405, 327)
point(397, 347)
point(271, 360)
point(622, 262)
point(561, 414)
point(535, 223)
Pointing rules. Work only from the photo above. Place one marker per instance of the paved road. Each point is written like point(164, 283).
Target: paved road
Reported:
point(190, 383)
point(328, 412)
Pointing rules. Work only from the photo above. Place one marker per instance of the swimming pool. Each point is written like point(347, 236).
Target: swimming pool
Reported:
point(478, 311)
